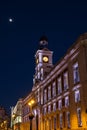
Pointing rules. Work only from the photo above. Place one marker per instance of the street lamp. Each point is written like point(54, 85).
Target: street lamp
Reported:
point(31, 115)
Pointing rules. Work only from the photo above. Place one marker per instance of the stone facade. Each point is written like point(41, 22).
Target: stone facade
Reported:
point(61, 95)
point(16, 115)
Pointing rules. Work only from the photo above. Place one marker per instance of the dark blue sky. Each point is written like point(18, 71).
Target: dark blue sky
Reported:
point(61, 21)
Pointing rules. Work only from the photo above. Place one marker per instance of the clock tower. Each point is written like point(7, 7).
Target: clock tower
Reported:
point(43, 58)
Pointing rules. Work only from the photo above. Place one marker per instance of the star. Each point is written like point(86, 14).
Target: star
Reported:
point(10, 20)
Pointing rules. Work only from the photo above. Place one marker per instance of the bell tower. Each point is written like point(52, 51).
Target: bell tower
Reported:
point(43, 58)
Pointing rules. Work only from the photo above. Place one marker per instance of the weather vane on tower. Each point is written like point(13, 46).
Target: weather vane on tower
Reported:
point(43, 42)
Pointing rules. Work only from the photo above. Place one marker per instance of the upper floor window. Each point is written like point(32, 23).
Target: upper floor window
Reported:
point(65, 77)
point(79, 116)
point(54, 89)
point(77, 96)
point(63, 102)
point(60, 104)
point(38, 96)
point(49, 108)
point(68, 119)
point(26, 110)
point(66, 101)
point(38, 75)
point(54, 106)
point(45, 95)
point(76, 73)
point(59, 86)
point(45, 110)
point(41, 73)
point(49, 92)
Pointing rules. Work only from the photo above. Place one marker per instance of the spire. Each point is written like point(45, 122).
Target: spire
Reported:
point(43, 42)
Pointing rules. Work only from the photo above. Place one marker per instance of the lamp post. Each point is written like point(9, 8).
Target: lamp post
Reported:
point(31, 115)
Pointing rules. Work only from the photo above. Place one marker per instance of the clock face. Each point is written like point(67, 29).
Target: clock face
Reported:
point(45, 59)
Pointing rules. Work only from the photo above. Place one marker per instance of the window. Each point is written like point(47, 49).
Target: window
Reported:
point(79, 117)
point(26, 110)
point(65, 77)
point(49, 108)
point(76, 73)
point(49, 92)
point(55, 123)
point(77, 96)
point(64, 119)
point(63, 102)
point(61, 120)
point(54, 106)
point(45, 110)
point(60, 104)
point(59, 86)
point(68, 119)
point(38, 75)
point(54, 89)
point(66, 101)
point(41, 73)
point(50, 124)
point(45, 95)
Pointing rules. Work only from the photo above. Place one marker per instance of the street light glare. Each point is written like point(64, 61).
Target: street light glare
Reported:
point(29, 104)
point(32, 101)
point(13, 115)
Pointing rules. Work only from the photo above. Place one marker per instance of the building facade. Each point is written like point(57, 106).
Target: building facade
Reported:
point(16, 115)
point(60, 90)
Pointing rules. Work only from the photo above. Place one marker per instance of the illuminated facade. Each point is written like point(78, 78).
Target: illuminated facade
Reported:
point(16, 115)
point(59, 91)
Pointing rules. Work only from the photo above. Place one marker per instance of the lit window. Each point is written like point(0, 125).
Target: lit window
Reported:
point(49, 92)
point(59, 86)
point(41, 73)
point(45, 110)
point(45, 95)
point(19, 119)
point(79, 117)
point(66, 101)
point(38, 75)
point(39, 98)
point(61, 120)
point(49, 108)
point(66, 85)
point(77, 96)
point(54, 106)
point(68, 119)
point(54, 89)
point(60, 104)
point(76, 73)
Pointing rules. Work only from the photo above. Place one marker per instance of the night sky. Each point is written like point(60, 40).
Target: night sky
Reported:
point(61, 21)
